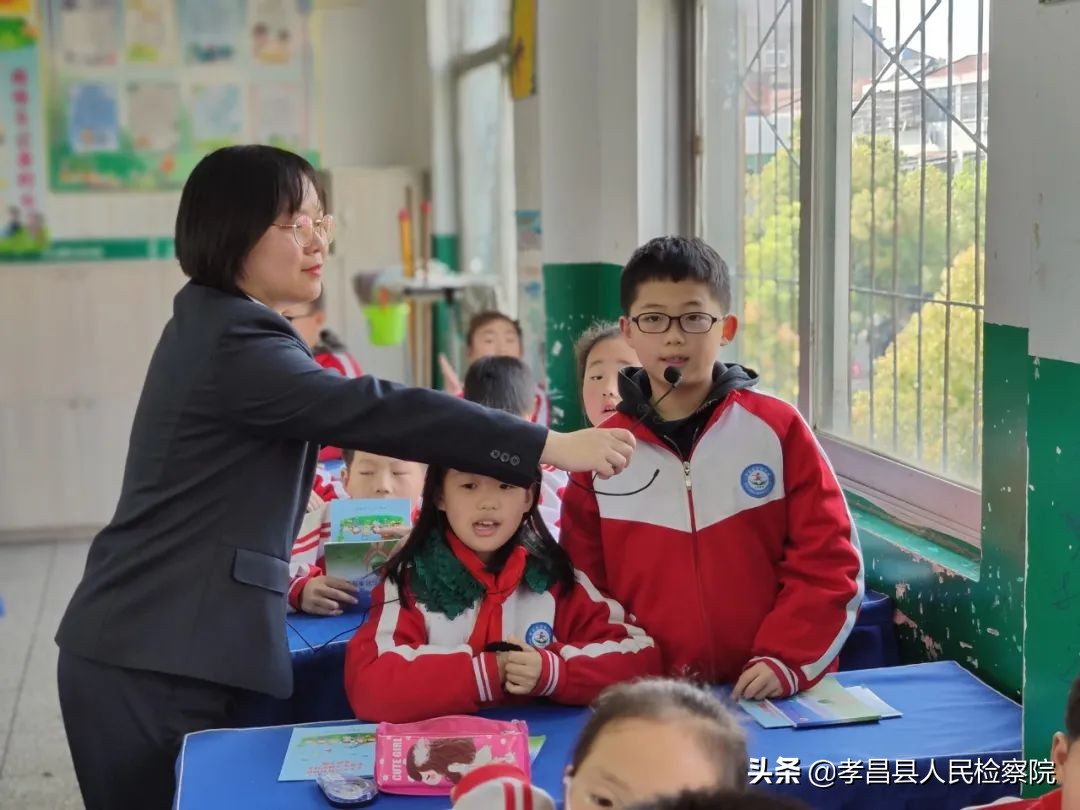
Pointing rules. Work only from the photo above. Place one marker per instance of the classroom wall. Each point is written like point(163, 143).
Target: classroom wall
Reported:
point(76, 337)
point(604, 70)
point(1041, 204)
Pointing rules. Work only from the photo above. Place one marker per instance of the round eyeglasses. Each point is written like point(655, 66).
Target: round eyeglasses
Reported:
point(656, 323)
point(305, 228)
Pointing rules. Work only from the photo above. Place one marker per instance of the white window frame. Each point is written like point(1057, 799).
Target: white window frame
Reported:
point(911, 495)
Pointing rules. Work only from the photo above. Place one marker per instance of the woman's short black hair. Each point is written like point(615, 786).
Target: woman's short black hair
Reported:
point(232, 196)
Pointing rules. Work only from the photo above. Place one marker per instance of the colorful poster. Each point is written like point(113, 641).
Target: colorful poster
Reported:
point(275, 30)
point(210, 30)
point(166, 81)
point(153, 116)
point(93, 118)
point(88, 32)
point(23, 227)
point(149, 32)
point(217, 115)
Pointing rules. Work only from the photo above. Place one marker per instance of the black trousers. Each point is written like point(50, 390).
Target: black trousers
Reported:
point(125, 726)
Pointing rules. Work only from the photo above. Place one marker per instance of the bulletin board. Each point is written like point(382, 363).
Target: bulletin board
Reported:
point(139, 90)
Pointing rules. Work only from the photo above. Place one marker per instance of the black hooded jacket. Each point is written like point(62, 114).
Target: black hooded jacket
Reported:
point(636, 392)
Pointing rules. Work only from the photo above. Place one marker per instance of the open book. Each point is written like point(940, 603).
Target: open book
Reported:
point(356, 551)
point(828, 703)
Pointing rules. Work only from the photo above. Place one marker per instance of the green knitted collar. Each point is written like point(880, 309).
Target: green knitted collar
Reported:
point(441, 582)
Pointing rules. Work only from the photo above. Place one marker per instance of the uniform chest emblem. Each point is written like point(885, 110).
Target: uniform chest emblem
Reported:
point(757, 480)
point(539, 635)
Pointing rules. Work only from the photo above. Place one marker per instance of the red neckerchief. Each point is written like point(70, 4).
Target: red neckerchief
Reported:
point(497, 589)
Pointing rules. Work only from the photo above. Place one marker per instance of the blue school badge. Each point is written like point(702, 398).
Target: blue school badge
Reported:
point(539, 635)
point(758, 480)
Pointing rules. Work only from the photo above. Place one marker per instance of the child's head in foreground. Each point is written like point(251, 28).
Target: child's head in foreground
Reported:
point(653, 738)
point(720, 800)
point(1065, 752)
point(676, 298)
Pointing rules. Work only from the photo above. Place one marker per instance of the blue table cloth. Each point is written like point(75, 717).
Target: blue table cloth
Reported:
point(950, 718)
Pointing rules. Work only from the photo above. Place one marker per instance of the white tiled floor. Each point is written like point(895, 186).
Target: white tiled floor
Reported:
point(36, 581)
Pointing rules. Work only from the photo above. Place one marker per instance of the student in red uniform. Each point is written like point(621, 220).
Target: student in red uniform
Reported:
point(738, 554)
point(366, 475)
point(505, 384)
point(309, 321)
point(481, 607)
point(1065, 754)
point(493, 334)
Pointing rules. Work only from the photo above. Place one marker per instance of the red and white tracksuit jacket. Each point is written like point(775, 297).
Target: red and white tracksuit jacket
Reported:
point(744, 553)
point(409, 663)
point(344, 364)
point(553, 483)
point(306, 561)
point(499, 786)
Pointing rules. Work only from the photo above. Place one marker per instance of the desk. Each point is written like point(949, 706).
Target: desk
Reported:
point(948, 714)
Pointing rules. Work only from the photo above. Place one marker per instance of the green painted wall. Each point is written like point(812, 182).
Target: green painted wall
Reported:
point(949, 606)
point(575, 296)
point(1052, 639)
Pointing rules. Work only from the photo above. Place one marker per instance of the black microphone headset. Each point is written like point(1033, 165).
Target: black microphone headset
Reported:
point(673, 377)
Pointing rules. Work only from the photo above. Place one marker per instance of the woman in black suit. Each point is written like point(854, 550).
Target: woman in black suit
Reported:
point(181, 606)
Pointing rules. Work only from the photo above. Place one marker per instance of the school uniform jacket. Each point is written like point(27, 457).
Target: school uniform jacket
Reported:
point(490, 787)
point(190, 576)
point(743, 552)
point(408, 662)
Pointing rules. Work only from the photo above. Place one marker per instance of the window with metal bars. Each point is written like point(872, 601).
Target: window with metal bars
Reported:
point(852, 215)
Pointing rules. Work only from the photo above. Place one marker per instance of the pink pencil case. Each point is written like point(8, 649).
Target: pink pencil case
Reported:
point(429, 757)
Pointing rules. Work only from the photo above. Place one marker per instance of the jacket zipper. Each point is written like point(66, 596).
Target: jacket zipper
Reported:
point(694, 546)
point(665, 442)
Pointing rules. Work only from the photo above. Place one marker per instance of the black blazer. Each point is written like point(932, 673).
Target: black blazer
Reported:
point(190, 576)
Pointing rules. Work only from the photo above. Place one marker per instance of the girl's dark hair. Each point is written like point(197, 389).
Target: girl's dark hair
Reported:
point(482, 319)
point(590, 338)
point(232, 196)
point(663, 699)
point(532, 533)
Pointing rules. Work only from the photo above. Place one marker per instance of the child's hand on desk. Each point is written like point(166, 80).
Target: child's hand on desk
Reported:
point(324, 596)
point(759, 682)
point(522, 668)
